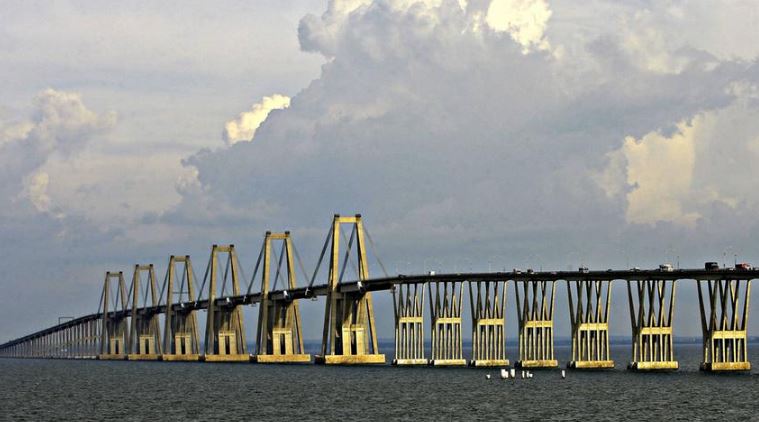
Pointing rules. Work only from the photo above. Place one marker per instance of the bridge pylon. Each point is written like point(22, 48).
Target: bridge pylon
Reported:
point(349, 335)
point(724, 323)
point(445, 318)
point(488, 303)
point(145, 332)
point(225, 334)
point(589, 318)
point(114, 332)
point(181, 341)
point(535, 314)
point(408, 304)
point(651, 319)
point(279, 337)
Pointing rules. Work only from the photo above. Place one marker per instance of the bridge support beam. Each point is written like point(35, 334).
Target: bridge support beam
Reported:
point(488, 302)
point(225, 335)
point(349, 336)
point(145, 334)
point(589, 317)
point(408, 304)
point(445, 305)
point(279, 338)
point(724, 324)
point(651, 320)
point(535, 312)
point(181, 341)
point(114, 331)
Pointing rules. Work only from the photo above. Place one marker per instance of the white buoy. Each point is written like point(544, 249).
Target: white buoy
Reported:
point(504, 374)
point(563, 374)
point(529, 374)
point(487, 376)
point(523, 374)
point(513, 373)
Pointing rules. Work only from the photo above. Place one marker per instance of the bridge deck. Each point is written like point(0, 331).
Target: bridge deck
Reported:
point(386, 283)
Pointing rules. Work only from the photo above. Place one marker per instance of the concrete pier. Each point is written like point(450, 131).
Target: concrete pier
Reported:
point(589, 302)
point(724, 318)
point(446, 300)
point(535, 307)
point(488, 303)
point(408, 306)
point(652, 306)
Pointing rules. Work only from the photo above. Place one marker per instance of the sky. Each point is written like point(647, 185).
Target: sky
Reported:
point(470, 134)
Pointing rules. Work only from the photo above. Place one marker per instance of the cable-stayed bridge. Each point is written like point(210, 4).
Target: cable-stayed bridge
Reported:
point(141, 320)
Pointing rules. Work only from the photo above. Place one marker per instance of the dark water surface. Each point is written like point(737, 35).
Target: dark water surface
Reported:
point(36, 390)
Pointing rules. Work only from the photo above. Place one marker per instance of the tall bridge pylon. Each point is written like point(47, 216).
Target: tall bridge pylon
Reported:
point(181, 341)
point(145, 332)
point(279, 337)
point(225, 334)
point(350, 335)
point(114, 332)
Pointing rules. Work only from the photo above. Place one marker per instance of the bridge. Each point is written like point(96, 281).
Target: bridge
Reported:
point(128, 323)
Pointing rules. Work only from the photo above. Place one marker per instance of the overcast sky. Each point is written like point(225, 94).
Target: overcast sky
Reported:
point(479, 134)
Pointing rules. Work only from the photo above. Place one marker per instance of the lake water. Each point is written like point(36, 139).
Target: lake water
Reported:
point(35, 390)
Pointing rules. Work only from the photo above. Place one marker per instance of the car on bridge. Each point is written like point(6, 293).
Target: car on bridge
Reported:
point(743, 266)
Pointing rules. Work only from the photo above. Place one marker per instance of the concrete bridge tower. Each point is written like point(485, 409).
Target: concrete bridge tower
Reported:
point(350, 335)
point(181, 341)
point(279, 337)
point(145, 332)
point(114, 332)
point(225, 334)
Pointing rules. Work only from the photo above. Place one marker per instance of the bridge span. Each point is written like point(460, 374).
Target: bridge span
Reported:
point(137, 321)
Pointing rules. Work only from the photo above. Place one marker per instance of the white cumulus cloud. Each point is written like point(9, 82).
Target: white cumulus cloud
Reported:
point(60, 125)
point(244, 127)
point(524, 20)
point(706, 162)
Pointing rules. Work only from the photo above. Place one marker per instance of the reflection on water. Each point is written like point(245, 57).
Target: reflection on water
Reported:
point(93, 390)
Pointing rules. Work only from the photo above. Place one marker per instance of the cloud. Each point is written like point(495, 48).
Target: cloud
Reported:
point(36, 190)
point(525, 20)
point(705, 162)
point(59, 125)
point(446, 133)
point(244, 127)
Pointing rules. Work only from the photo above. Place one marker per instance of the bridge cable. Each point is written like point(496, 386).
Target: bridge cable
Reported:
point(279, 264)
point(300, 261)
point(194, 279)
point(205, 278)
point(255, 270)
point(100, 302)
point(240, 272)
point(146, 288)
point(163, 287)
point(181, 283)
point(376, 254)
point(226, 274)
point(347, 255)
point(321, 258)
point(131, 287)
